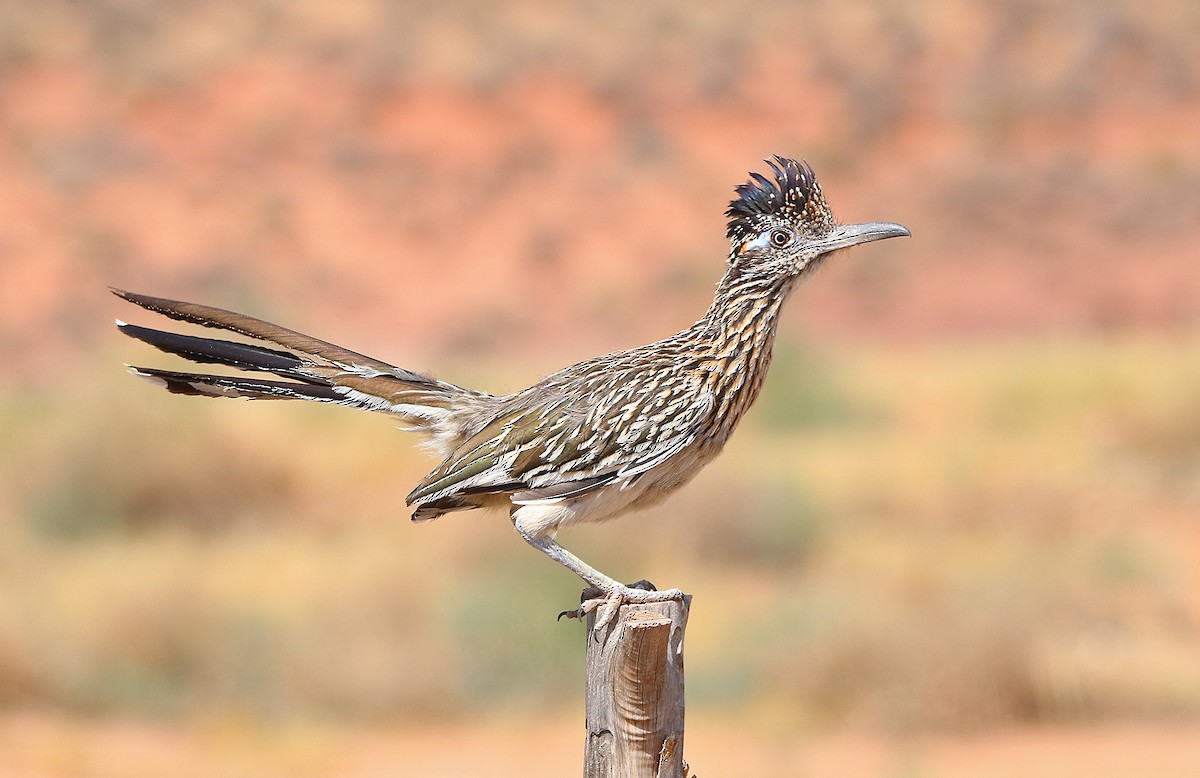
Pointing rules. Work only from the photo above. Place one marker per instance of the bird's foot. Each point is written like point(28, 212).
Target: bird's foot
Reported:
point(607, 601)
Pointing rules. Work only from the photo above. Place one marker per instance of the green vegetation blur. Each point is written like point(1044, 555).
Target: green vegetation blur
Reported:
point(945, 537)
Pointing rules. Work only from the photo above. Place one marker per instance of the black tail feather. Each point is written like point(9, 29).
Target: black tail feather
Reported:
point(207, 385)
point(222, 352)
point(315, 369)
point(241, 324)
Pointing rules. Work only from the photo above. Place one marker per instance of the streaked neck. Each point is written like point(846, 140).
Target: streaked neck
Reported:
point(739, 331)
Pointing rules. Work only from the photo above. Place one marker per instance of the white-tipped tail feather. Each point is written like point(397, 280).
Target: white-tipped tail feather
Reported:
point(310, 369)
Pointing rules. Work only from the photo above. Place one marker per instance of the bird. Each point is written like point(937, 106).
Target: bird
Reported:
point(595, 440)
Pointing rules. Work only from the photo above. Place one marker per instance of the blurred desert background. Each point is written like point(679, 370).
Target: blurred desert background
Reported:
point(958, 536)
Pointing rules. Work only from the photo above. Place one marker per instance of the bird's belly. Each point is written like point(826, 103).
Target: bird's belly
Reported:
point(661, 482)
point(642, 491)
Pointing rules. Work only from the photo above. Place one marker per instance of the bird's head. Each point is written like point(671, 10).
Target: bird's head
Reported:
point(785, 227)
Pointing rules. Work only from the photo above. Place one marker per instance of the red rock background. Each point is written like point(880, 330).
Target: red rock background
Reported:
point(428, 179)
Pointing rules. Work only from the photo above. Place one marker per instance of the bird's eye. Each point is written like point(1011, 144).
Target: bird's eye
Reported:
point(780, 238)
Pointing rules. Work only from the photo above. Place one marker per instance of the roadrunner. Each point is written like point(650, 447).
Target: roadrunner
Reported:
point(595, 440)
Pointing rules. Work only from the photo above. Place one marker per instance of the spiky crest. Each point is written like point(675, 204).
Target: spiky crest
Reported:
point(794, 196)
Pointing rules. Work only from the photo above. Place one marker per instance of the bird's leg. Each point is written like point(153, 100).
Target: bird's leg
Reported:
point(610, 593)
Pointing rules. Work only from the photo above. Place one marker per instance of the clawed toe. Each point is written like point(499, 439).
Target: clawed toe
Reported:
point(589, 600)
point(608, 602)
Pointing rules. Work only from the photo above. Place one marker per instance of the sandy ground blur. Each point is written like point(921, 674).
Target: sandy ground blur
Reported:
point(50, 747)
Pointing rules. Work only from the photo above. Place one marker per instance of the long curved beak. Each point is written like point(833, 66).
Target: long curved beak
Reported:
point(847, 235)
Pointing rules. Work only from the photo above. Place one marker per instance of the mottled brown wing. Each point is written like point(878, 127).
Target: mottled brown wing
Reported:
point(558, 440)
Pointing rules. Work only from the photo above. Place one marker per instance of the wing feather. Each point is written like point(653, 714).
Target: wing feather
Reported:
point(544, 445)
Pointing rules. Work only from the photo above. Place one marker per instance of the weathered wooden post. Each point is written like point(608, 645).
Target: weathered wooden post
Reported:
point(635, 702)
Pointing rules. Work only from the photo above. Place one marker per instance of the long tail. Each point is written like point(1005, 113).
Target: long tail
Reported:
point(312, 369)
